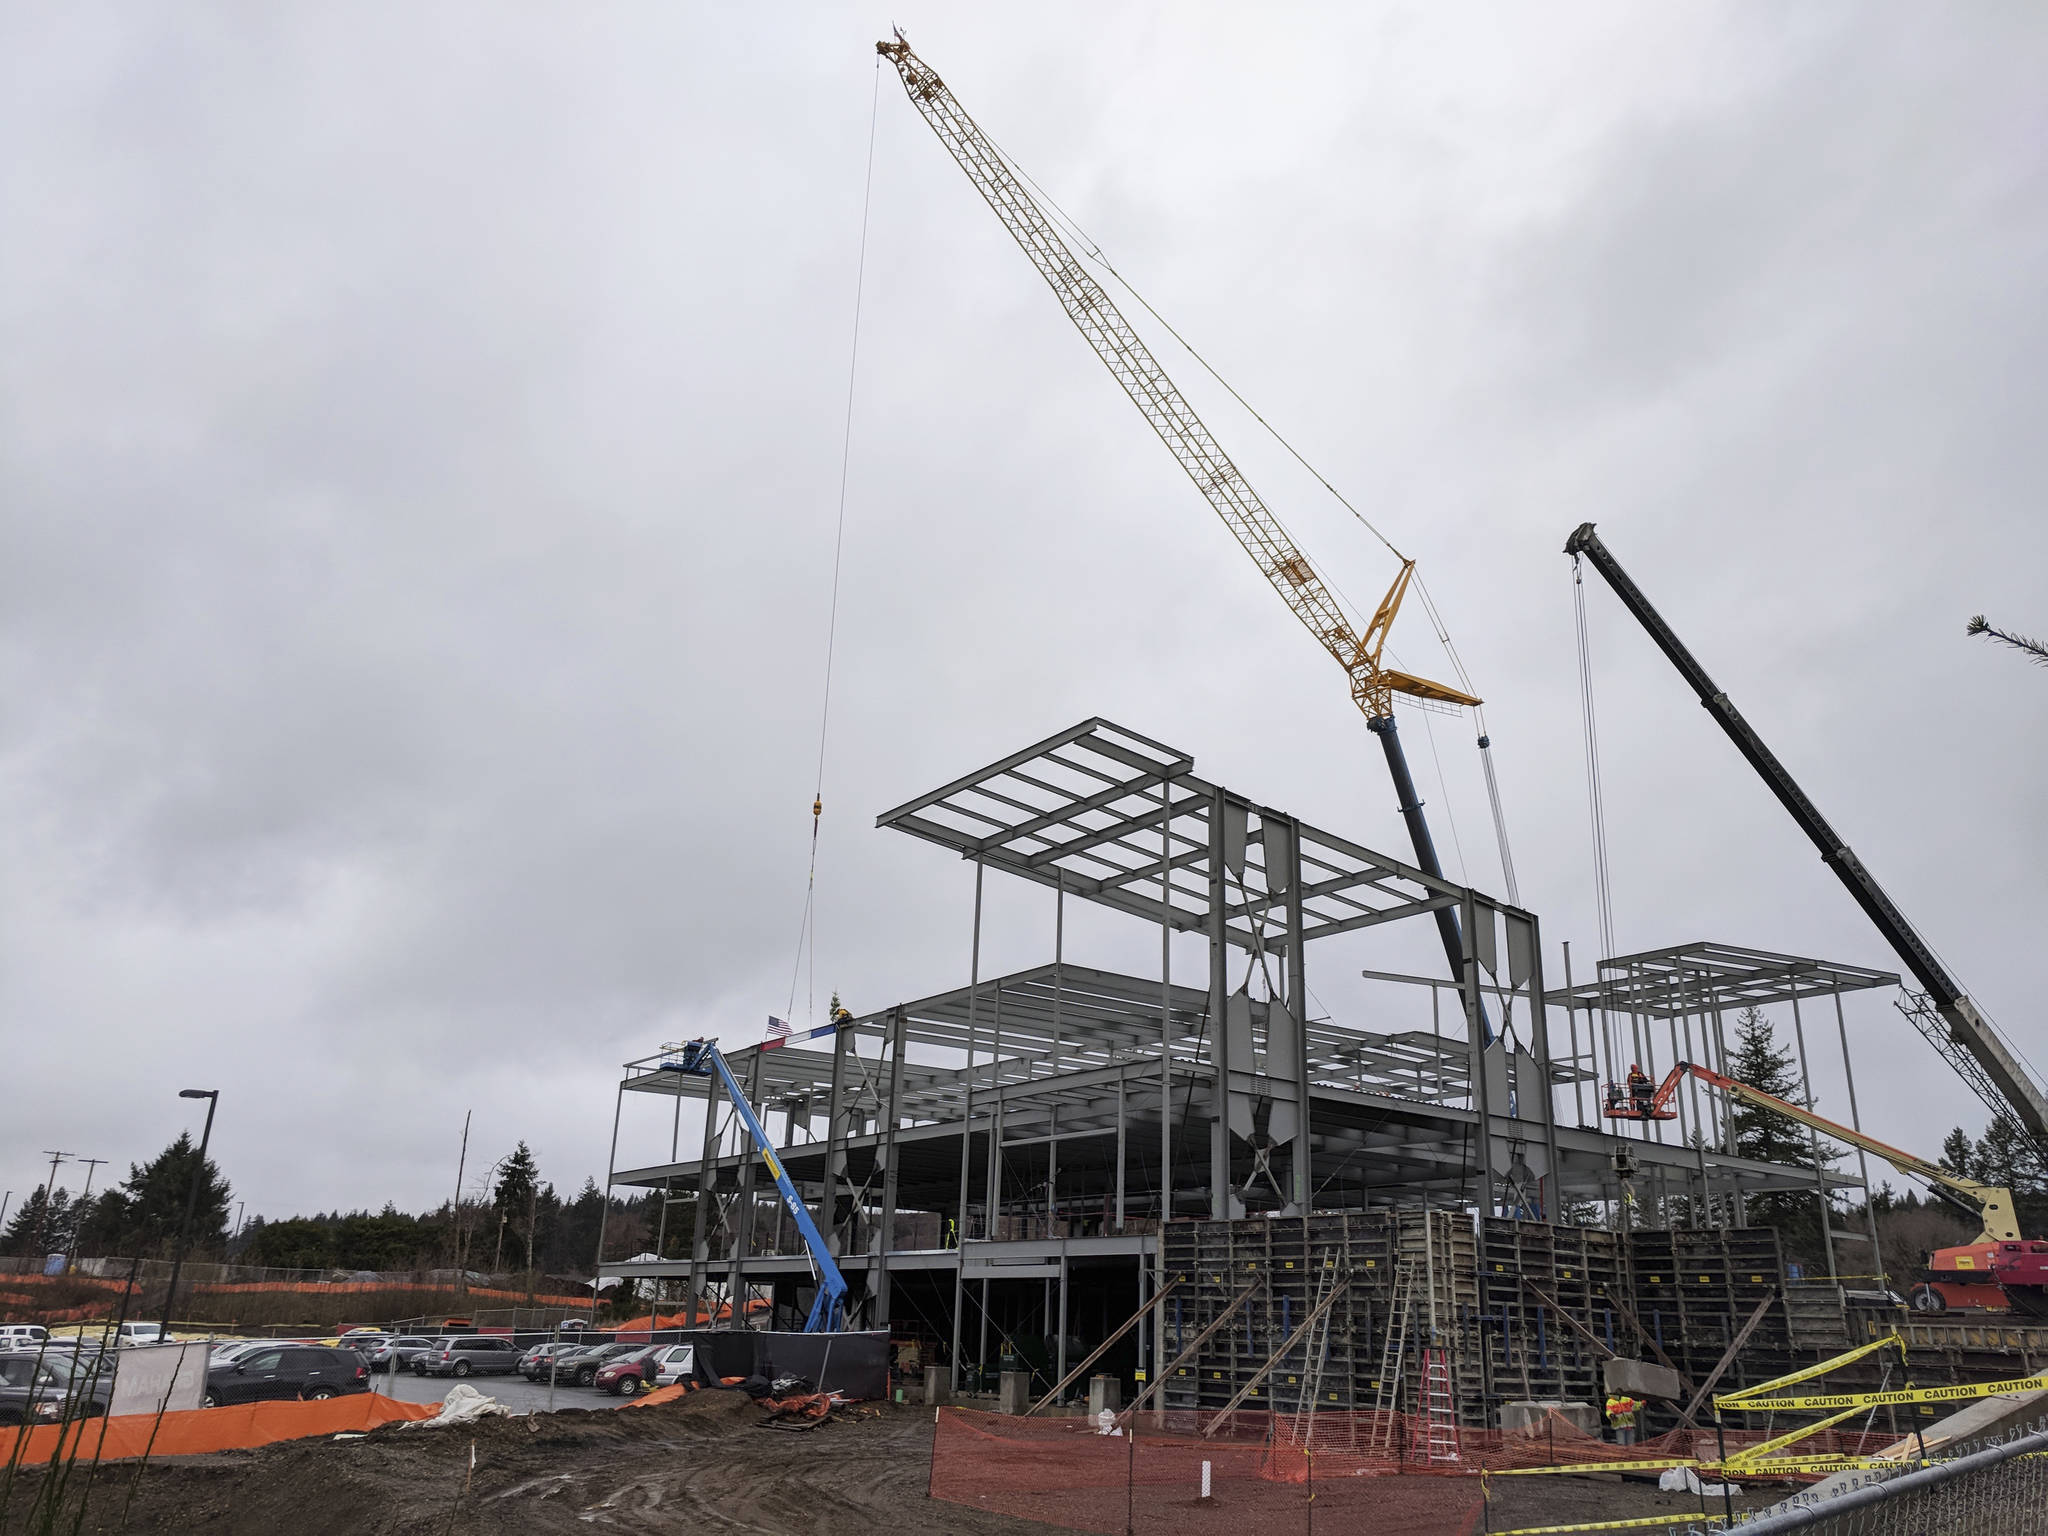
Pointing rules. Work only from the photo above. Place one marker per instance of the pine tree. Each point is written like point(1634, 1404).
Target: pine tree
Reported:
point(1766, 1135)
point(143, 1214)
point(43, 1223)
point(1956, 1152)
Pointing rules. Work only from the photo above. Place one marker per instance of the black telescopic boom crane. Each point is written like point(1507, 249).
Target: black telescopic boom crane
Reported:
point(1968, 1029)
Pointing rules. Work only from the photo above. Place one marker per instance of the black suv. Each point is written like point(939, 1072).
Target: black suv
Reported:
point(288, 1371)
point(580, 1369)
point(50, 1389)
point(464, 1354)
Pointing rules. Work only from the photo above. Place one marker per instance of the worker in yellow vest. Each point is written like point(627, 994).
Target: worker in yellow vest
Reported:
point(1621, 1415)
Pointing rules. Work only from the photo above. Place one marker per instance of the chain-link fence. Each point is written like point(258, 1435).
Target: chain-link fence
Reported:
point(2002, 1491)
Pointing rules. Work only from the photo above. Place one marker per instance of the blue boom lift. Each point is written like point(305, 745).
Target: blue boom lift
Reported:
point(702, 1058)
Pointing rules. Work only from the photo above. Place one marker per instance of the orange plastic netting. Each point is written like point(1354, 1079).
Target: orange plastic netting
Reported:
point(1062, 1472)
point(201, 1431)
point(1264, 1466)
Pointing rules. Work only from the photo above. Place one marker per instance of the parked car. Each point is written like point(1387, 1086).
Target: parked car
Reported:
point(644, 1369)
point(468, 1354)
point(533, 1365)
point(141, 1333)
point(579, 1369)
point(395, 1354)
point(287, 1371)
point(22, 1335)
point(674, 1363)
point(434, 1347)
point(231, 1350)
point(45, 1391)
point(624, 1375)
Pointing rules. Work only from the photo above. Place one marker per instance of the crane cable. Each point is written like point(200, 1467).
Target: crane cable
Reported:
point(1596, 805)
point(807, 932)
point(1092, 249)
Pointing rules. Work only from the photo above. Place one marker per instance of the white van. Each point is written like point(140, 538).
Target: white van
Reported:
point(15, 1336)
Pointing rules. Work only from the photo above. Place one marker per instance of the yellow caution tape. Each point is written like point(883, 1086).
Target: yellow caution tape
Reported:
point(1761, 1452)
point(1728, 1399)
point(1695, 1518)
point(1961, 1392)
point(1812, 1464)
point(1599, 1466)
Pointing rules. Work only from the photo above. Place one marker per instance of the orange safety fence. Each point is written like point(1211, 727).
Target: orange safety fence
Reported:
point(1150, 1479)
point(364, 1287)
point(1262, 1465)
point(1354, 1442)
point(201, 1431)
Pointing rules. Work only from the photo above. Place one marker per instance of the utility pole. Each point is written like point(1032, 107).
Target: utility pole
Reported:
point(49, 1194)
point(78, 1226)
point(532, 1209)
point(455, 1210)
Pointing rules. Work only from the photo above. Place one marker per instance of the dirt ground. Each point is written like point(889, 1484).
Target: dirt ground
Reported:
point(704, 1463)
point(700, 1464)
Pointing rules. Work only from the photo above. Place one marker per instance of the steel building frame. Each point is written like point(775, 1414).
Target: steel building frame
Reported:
point(1015, 1128)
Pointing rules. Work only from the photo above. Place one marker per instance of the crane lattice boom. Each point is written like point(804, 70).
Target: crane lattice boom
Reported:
point(1193, 446)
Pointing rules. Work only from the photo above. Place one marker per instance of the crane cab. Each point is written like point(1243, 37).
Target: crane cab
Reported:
point(1637, 1099)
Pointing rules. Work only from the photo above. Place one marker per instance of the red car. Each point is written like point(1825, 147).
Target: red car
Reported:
point(629, 1373)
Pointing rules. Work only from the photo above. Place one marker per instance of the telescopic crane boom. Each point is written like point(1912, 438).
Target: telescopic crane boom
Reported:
point(702, 1058)
point(1222, 484)
point(1972, 1045)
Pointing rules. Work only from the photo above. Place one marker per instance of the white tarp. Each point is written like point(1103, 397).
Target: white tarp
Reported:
point(160, 1376)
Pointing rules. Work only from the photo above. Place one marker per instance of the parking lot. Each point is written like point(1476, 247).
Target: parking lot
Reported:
point(515, 1392)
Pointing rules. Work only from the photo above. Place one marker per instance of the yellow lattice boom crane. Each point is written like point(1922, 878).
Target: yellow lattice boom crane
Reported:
point(1373, 683)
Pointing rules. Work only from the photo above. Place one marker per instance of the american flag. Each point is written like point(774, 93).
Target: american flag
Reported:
point(779, 1034)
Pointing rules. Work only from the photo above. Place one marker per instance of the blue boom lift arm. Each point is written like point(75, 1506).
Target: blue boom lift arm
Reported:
point(702, 1058)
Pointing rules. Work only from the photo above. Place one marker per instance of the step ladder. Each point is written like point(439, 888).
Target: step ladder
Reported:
point(1386, 1423)
point(1439, 1438)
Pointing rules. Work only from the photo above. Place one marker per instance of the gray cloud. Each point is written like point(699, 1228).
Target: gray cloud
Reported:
point(419, 444)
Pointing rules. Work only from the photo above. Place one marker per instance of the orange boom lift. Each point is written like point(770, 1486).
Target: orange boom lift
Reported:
point(1999, 1271)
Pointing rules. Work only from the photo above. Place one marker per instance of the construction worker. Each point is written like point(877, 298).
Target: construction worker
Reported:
point(1621, 1416)
point(1640, 1090)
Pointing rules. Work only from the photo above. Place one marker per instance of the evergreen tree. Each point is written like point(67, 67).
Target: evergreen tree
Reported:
point(1955, 1152)
point(143, 1214)
point(518, 1184)
point(43, 1223)
point(1764, 1134)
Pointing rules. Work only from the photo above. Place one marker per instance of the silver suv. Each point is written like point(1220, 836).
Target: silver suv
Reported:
point(469, 1354)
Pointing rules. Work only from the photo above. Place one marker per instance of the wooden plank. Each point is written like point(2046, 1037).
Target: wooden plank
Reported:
point(1103, 1348)
point(1274, 1359)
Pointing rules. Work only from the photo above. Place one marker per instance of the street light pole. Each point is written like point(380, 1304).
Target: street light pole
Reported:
point(212, 1097)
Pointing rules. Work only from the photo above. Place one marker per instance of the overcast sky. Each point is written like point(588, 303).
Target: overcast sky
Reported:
point(420, 432)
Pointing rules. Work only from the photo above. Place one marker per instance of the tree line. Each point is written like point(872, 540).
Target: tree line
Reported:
point(519, 1224)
